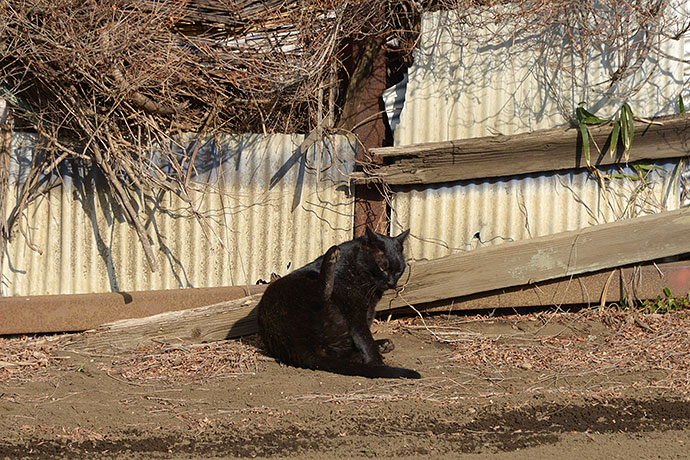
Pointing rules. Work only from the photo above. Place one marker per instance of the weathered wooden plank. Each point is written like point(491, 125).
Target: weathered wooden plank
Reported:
point(560, 255)
point(487, 269)
point(543, 150)
point(637, 282)
point(233, 318)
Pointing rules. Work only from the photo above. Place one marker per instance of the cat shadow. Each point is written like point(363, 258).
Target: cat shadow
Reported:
point(254, 340)
point(245, 326)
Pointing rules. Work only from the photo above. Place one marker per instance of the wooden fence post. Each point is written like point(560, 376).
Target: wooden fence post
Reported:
point(363, 114)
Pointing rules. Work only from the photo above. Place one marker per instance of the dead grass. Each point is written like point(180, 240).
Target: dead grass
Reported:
point(628, 343)
point(26, 359)
point(588, 353)
point(185, 363)
point(595, 354)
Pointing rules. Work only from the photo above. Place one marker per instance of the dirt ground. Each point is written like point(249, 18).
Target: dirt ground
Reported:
point(587, 385)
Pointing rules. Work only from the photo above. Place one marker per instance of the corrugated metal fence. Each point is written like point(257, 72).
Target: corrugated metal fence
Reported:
point(248, 228)
point(454, 90)
point(459, 90)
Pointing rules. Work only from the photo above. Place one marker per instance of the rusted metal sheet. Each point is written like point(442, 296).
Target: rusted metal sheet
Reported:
point(261, 199)
point(80, 312)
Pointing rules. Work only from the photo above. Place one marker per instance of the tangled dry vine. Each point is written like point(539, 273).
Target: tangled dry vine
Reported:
point(114, 83)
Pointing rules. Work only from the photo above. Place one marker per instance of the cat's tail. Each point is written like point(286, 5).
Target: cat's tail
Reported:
point(373, 371)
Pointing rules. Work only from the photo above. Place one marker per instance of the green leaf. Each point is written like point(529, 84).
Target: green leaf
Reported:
point(644, 169)
point(614, 137)
point(627, 128)
point(624, 130)
point(585, 141)
point(588, 118)
point(681, 106)
point(580, 115)
point(631, 123)
point(622, 176)
point(676, 174)
point(667, 291)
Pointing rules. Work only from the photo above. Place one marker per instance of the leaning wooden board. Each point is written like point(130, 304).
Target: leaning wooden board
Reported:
point(554, 256)
point(509, 264)
point(234, 318)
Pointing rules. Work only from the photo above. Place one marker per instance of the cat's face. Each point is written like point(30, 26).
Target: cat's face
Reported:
point(385, 261)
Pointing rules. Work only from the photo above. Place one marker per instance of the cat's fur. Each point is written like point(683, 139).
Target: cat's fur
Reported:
point(319, 316)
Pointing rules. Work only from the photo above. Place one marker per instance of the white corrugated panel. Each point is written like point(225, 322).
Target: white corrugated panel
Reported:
point(459, 90)
point(248, 230)
point(449, 218)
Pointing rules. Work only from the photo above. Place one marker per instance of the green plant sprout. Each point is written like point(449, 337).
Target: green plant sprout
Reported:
point(681, 106)
point(665, 304)
point(642, 169)
point(622, 130)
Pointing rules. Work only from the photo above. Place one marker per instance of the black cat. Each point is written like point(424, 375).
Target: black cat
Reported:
point(318, 317)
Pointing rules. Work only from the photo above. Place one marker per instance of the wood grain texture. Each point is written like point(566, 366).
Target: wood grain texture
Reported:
point(613, 285)
point(560, 255)
point(538, 151)
point(234, 318)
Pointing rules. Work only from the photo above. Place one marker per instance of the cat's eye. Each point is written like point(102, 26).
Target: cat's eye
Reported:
point(382, 268)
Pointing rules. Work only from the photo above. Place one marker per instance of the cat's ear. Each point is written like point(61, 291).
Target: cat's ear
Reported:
point(370, 235)
point(403, 236)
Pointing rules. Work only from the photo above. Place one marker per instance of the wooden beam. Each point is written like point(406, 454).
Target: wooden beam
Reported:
point(489, 269)
point(79, 312)
point(599, 247)
point(632, 283)
point(544, 150)
point(233, 318)
point(362, 115)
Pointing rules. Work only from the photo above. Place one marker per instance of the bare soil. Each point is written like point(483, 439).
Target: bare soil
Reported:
point(595, 384)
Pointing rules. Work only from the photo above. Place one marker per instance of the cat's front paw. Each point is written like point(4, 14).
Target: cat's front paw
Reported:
point(332, 255)
point(385, 346)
